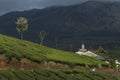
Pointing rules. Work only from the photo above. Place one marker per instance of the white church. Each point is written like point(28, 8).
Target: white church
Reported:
point(86, 52)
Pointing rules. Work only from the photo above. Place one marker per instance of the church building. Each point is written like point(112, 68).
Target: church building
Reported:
point(84, 51)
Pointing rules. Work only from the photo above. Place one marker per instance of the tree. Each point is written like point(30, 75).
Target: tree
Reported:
point(112, 63)
point(101, 51)
point(41, 36)
point(22, 26)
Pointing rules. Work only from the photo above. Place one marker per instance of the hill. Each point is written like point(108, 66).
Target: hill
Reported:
point(40, 62)
point(94, 22)
point(15, 51)
point(45, 62)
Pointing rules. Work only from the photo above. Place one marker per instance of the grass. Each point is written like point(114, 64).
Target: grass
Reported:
point(58, 74)
point(13, 47)
point(72, 58)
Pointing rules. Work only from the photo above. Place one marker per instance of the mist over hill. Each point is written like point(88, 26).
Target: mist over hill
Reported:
point(94, 23)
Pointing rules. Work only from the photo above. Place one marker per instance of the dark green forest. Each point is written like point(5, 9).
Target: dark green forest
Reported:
point(93, 22)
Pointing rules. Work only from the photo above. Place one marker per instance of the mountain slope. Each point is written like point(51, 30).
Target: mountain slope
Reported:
point(94, 22)
point(20, 49)
point(17, 49)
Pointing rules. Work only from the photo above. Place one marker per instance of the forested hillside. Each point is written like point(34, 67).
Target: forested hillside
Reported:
point(96, 23)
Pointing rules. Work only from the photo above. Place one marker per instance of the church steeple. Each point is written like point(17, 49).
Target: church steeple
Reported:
point(83, 48)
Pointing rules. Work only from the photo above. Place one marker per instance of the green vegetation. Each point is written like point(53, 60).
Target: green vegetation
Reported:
point(68, 25)
point(102, 52)
point(22, 25)
point(40, 74)
point(114, 53)
point(12, 47)
point(94, 22)
point(112, 63)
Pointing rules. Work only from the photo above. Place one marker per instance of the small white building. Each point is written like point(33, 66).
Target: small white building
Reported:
point(86, 52)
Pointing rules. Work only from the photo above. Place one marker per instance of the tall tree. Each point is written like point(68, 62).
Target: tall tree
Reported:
point(41, 36)
point(22, 25)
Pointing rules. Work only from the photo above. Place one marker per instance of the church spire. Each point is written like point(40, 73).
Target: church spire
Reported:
point(83, 46)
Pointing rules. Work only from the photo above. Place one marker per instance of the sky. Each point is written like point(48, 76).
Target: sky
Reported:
point(20, 5)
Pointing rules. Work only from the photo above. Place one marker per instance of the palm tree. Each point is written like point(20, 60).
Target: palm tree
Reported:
point(22, 26)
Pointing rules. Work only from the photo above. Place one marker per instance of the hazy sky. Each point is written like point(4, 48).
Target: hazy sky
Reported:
point(15, 5)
